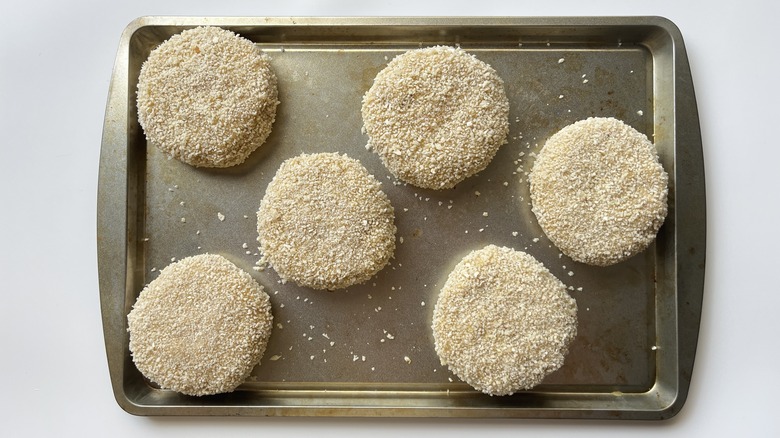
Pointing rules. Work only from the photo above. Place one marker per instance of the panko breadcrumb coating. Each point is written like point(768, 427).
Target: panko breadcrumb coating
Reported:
point(200, 327)
point(325, 223)
point(599, 191)
point(436, 116)
point(502, 321)
point(207, 97)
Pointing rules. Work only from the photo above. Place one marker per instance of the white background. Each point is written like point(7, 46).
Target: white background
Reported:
point(55, 64)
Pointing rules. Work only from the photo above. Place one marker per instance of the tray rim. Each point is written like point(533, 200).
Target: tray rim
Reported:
point(113, 236)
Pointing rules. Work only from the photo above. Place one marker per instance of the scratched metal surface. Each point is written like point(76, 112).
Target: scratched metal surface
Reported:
point(368, 350)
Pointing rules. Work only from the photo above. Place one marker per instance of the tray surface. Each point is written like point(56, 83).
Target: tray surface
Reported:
point(368, 350)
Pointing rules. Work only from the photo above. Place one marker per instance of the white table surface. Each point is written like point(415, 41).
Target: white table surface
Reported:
point(55, 64)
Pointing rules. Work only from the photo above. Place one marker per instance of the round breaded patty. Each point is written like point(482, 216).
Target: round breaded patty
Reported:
point(436, 116)
point(599, 191)
point(200, 327)
point(502, 321)
point(325, 223)
point(207, 97)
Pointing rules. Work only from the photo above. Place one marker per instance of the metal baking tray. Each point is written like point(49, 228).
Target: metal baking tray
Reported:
point(368, 350)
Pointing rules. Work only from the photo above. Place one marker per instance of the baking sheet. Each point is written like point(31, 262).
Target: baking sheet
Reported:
point(368, 350)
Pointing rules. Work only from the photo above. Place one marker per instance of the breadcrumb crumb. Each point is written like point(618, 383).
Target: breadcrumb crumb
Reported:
point(598, 191)
point(325, 223)
point(436, 116)
point(502, 321)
